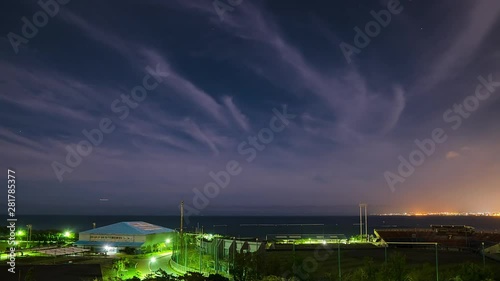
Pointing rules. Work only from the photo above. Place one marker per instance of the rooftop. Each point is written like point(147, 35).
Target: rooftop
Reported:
point(129, 228)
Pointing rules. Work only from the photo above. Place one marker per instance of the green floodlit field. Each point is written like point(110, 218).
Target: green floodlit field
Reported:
point(317, 264)
point(313, 260)
point(423, 260)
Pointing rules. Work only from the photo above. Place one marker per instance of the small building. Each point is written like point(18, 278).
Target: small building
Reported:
point(138, 235)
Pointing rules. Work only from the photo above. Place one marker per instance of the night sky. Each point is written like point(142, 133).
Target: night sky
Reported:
point(216, 77)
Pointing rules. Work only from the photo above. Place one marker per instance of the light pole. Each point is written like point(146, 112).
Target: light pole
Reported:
point(338, 258)
point(29, 226)
point(484, 257)
point(167, 242)
point(217, 245)
point(177, 248)
point(152, 260)
point(201, 243)
point(234, 250)
point(437, 263)
point(385, 250)
point(20, 234)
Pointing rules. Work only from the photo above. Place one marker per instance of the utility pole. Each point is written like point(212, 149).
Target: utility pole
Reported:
point(180, 232)
point(200, 256)
point(437, 263)
point(338, 258)
point(484, 257)
point(234, 251)
point(201, 243)
point(386, 253)
point(29, 233)
point(366, 222)
point(361, 206)
point(216, 251)
point(182, 216)
point(360, 222)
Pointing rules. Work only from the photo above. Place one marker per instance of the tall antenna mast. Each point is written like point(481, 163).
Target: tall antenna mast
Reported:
point(182, 216)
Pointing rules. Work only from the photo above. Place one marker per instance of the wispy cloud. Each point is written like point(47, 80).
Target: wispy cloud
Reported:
point(347, 95)
point(140, 56)
point(241, 119)
point(462, 48)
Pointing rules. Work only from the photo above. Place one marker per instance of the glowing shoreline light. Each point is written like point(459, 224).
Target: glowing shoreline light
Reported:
point(485, 214)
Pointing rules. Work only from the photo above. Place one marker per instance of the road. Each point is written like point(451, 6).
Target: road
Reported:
point(162, 262)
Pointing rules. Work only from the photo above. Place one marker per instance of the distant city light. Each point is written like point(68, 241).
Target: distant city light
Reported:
point(462, 214)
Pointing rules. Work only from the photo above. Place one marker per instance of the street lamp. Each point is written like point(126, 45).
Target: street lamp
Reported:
point(106, 249)
point(20, 233)
point(68, 234)
point(152, 260)
point(338, 258)
point(30, 228)
point(437, 263)
point(167, 242)
point(484, 257)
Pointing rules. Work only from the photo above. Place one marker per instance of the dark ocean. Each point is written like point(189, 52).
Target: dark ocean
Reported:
point(246, 226)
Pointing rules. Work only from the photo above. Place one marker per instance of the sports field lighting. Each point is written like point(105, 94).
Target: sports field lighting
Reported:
point(20, 233)
point(68, 234)
point(152, 260)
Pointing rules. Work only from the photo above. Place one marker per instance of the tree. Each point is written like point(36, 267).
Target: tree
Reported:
point(247, 267)
point(192, 276)
point(366, 273)
point(120, 265)
point(396, 269)
point(472, 272)
point(271, 278)
point(129, 251)
point(216, 277)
